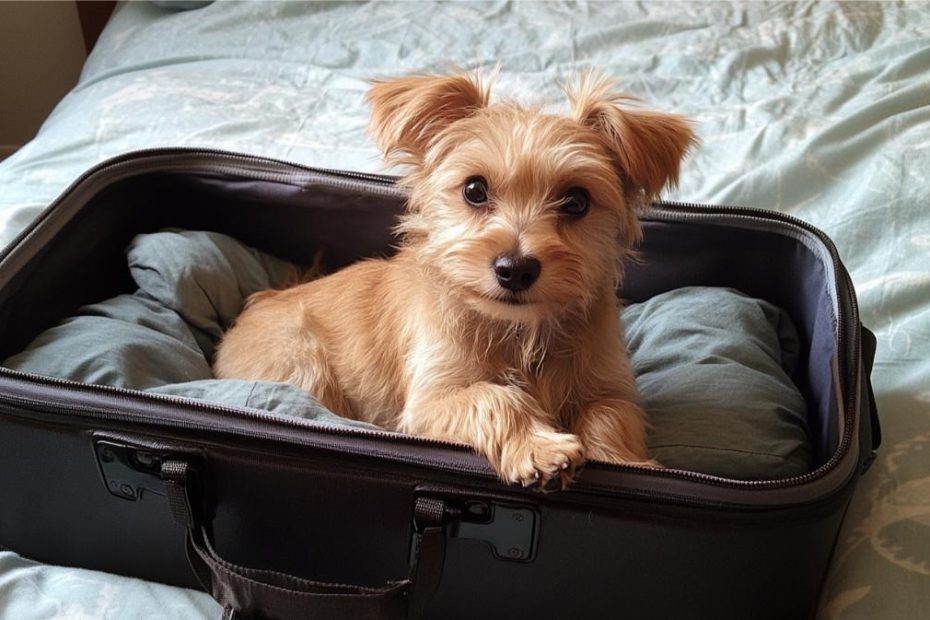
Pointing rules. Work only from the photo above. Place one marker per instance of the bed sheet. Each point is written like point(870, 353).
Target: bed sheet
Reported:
point(815, 109)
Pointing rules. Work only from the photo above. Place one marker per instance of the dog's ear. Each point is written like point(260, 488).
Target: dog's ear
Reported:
point(648, 146)
point(408, 112)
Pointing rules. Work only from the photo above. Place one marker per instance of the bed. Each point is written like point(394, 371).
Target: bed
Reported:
point(817, 110)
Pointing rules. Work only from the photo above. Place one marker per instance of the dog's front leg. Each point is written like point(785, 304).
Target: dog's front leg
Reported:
point(613, 430)
point(503, 423)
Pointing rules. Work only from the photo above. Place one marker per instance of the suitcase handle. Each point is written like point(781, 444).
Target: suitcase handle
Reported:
point(250, 593)
point(874, 438)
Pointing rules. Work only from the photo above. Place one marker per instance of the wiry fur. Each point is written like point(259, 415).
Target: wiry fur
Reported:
point(423, 343)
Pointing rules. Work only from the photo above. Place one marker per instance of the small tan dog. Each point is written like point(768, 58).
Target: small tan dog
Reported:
point(496, 323)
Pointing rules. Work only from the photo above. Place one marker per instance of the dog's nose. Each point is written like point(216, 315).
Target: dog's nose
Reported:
point(516, 273)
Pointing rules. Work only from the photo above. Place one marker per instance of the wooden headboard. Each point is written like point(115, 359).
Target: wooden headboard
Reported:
point(94, 16)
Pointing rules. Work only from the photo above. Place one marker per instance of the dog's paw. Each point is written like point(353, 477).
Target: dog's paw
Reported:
point(544, 460)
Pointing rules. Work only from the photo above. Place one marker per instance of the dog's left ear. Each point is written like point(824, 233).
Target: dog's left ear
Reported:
point(407, 113)
point(648, 146)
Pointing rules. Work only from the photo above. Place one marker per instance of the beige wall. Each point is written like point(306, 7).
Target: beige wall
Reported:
point(41, 54)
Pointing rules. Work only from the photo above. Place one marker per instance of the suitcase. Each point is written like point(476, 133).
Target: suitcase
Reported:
point(280, 519)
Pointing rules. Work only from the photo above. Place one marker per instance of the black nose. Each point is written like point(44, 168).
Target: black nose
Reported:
point(516, 273)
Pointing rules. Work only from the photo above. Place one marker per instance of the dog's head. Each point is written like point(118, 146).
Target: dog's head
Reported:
point(523, 215)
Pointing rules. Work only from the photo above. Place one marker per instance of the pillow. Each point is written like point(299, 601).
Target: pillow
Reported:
point(713, 365)
point(204, 277)
point(714, 370)
point(129, 341)
point(278, 398)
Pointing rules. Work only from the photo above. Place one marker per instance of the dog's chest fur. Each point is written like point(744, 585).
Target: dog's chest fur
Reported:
point(557, 365)
point(546, 365)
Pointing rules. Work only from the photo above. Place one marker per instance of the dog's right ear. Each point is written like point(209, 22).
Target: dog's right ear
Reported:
point(648, 146)
point(407, 113)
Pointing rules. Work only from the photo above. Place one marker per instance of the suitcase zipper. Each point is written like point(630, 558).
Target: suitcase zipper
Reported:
point(257, 415)
point(264, 417)
point(14, 405)
point(690, 210)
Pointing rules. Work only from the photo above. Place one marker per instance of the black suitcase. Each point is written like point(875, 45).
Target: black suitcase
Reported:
point(358, 524)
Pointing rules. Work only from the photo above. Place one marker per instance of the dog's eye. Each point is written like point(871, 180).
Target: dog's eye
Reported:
point(476, 191)
point(575, 203)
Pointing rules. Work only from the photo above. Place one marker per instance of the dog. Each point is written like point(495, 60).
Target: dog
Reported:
point(496, 324)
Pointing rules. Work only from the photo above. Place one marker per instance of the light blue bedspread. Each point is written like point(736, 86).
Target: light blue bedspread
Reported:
point(815, 109)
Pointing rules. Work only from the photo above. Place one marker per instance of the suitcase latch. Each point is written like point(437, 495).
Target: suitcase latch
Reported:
point(128, 471)
point(509, 529)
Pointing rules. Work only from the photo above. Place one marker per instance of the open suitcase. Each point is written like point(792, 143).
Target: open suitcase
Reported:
point(279, 518)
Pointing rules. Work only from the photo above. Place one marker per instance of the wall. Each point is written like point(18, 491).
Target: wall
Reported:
point(41, 54)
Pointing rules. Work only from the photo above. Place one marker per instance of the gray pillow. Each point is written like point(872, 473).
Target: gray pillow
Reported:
point(713, 368)
point(278, 398)
point(204, 277)
point(129, 341)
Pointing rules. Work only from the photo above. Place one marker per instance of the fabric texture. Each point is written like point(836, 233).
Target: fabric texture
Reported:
point(276, 398)
point(30, 589)
point(192, 285)
point(128, 341)
point(204, 278)
point(816, 109)
point(714, 370)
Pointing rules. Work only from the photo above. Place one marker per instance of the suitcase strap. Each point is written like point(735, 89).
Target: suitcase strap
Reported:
point(257, 594)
